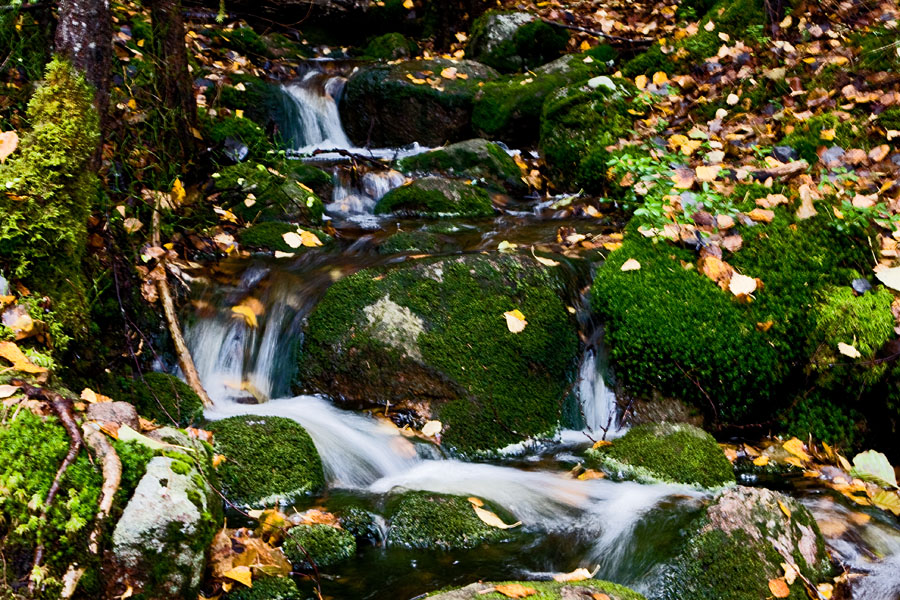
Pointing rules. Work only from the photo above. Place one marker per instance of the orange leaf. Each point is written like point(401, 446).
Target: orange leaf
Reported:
point(515, 590)
point(779, 588)
point(20, 362)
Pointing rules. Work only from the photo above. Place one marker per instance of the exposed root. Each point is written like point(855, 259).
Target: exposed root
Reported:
point(112, 477)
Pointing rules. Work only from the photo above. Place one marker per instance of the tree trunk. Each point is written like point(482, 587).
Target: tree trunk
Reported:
point(84, 36)
point(173, 79)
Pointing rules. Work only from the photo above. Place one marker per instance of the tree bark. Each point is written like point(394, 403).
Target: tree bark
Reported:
point(173, 79)
point(84, 36)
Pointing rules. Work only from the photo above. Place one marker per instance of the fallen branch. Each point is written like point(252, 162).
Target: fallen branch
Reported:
point(600, 34)
point(352, 156)
point(181, 350)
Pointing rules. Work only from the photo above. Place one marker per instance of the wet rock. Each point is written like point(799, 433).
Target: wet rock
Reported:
point(257, 194)
point(492, 39)
point(784, 154)
point(832, 157)
point(547, 590)
point(428, 520)
point(395, 105)
point(861, 285)
point(470, 159)
point(121, 413)
point(740, 543)
point(160, 541)
point(325, 544)
point(436, 197)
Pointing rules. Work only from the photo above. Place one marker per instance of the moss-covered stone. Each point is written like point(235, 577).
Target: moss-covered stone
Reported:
point(254, 193)
point(440, 324)
point(418, 242)
point(577, 124)
point(512, 41)
point(676, 453)
point(268, 459)
point(326, 545)
point(164, 398)
point(739, 545)
point(239, 129)
point(546, 590)
point(381, 106)
point(269, 236)
point(471, 159)
point(268, 588)
point(48, 187)
point(242, 39)
point(436, 197)
point(439, 521)
point(390, 46)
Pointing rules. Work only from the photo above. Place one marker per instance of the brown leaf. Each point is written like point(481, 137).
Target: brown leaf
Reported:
point(515, 590)
point(20, 362)
point(779, 588)
point(716, 269)
point(761, 215)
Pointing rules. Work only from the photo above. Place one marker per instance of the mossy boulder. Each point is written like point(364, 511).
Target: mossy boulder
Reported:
point(435, 197)
point(416, 242)
point(223, 131)
point(267, 459)
point(577, 124)
point(261, 101)
point(431, 336)
point(269, 237)
point(509, 109)
point(512, 41)
point(165, 399)
point(471, 159)
point(268, 588)
point(675, 453)
point(439, 521)
point(546, 590)
point(383, 105)
point(739, 544)
point(253, 192)
point(390, 46)
point(326, 545)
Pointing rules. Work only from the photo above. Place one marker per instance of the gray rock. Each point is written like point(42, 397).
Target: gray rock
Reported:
point(832, 156)
point(121, 413)
point(861, 286)
point(492, 36)
point(784, 153)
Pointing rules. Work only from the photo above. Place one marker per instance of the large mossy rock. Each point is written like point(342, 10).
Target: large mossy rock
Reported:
point(740, 543)
point(383, 106)
point(546, 590)
point(159, 543)
point(431, 336)
point(390, 46)
point(578, 123)
point(471, 159)
point(267, 459)
point(512, 41)
point(436, 197)
point(439, 521)
point(326, 545)
point(268, 588)
point(675, 453)
point(165, 399)
point(254, 192)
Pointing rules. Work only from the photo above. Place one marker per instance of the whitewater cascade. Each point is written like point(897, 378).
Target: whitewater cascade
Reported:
point(315, 98)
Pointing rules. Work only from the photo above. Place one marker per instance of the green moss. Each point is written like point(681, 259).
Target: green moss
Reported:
point(435, 197)
point(268, 588)
point(268, 236)
point(255, 193)
point(577, 125)
point(361, 524)
point(390, 46)
point(320, 181)
point(260, 100)
point(890, 118)
point(241, 39)
point(419, 242)
point(326, 545)
point(807, 136)
point(538, 43)
point(260, 147)
point(428, 520)
point(864, 322)
point(164, 398)
point(266, 458)
point(471, 159)
point(669, 452)
point(488, 386)
point(550, 590)
point(825, 418)
point(47, 190)
point(878, 49)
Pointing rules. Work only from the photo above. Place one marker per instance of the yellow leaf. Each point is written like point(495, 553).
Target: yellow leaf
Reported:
point(492, 519)
point(247, 313)
point(790, 572)
point(630, 265)
point(240, 574)
point(761, 461)
point(707, 173)
point(886, 500)
point(576, 575)
point(177, 192)
point(476, 501)
point(784, 509)
point(515, 590)
point(795, 447)
point(408, 4)
point(217, 460)
point(128, 593)
point(449, 73)
point(585, 46)
point(132, 104)
point(432, 428)
point(20, 362)
point(239, 113)
point(92, 397)
point(515, 320)
point(9, 140)
point(825, 590)
point(601, 444)
point(309, 239)
point(640, 81)
point(779, 588)
point(660, 77)
point(827, 134)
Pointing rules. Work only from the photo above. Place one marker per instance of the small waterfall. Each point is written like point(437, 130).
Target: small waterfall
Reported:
point(355, 195)
point(318, 125)
point(598, 402)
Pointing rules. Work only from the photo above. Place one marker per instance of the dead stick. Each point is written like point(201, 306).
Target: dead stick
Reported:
point(181, 350)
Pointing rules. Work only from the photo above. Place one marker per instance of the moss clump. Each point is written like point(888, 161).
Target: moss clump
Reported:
point(361, 524)
point(865, 322)
point(577, 125)
point(259, 146)
point(420, 242)
point(670, 452)
point(268, 459)
point(390, 46)
point(439, 521)
point(471, 159)
point(47, 190)
point(488, 386)
point(260, 100)
point(268, 588)
point(326, 545)
point(877, 49)
point(510, 41)
point(164, 398)
point(807, 136)
point(255, 193)
point(826, 418)
point(241, 39)
point(538, 43)
point(435, 197)
point(319, 181)
point(546, 590)
point(31, 450)
point(269, 236)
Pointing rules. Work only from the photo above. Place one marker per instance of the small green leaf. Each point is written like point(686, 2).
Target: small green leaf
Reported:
point(874, 466)
point(886, 500)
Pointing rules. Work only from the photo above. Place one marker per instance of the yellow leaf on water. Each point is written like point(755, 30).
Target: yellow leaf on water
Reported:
point(247, 313)
point(515, 320)
point(779, 588)
point(492, 519)
point(240, 574)
point(9, 140)
point(515, 590)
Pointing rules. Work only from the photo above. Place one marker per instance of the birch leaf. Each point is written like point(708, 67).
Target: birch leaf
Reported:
point(515, 320)
point(848, 350)
point(247, 313)
point(874, 466)
point(492, 519)
point(890, 278)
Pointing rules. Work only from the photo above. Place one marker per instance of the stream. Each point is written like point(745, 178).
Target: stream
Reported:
point(627, 531)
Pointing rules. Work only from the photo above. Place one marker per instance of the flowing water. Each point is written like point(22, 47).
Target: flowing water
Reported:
point(625, 530)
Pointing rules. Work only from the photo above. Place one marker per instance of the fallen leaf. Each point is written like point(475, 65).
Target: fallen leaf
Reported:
point(515, 590)
point(432, 428)
point(779, 588)
point(132, 225)
point(505, 246)
point(92, 397)
point(515, 320)
point(761, 461)
point(240, 574)
point(886, 500)
point(577, 575)
point(741, 285)
point(795, 447)
point(874, 466)
point(309, 239)
point(8, 390)
point(848, 350)
point(292, 239)
point(630, 265)
point(492, 519)
point(408, 4)
point(20, 362)
point(9, 141)
point(784, 509)
point(475, 501)
point(449, 73)
point(890, 278)
point(825, 590)
point(247, 313)
point(707, 173)
point(790, 573)
point(761, 215)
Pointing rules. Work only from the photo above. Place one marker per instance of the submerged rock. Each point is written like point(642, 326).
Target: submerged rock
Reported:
point(436, 197)
point(325, 544)
point(741, 542)
point(394, 105)
point(430, 335)
point(547, 590)
point(471, 159)
point(676, 453)
point(429, 520)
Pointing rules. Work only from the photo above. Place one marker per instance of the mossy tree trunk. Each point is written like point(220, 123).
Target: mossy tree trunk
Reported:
point(173, 79)
point(84, 36)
